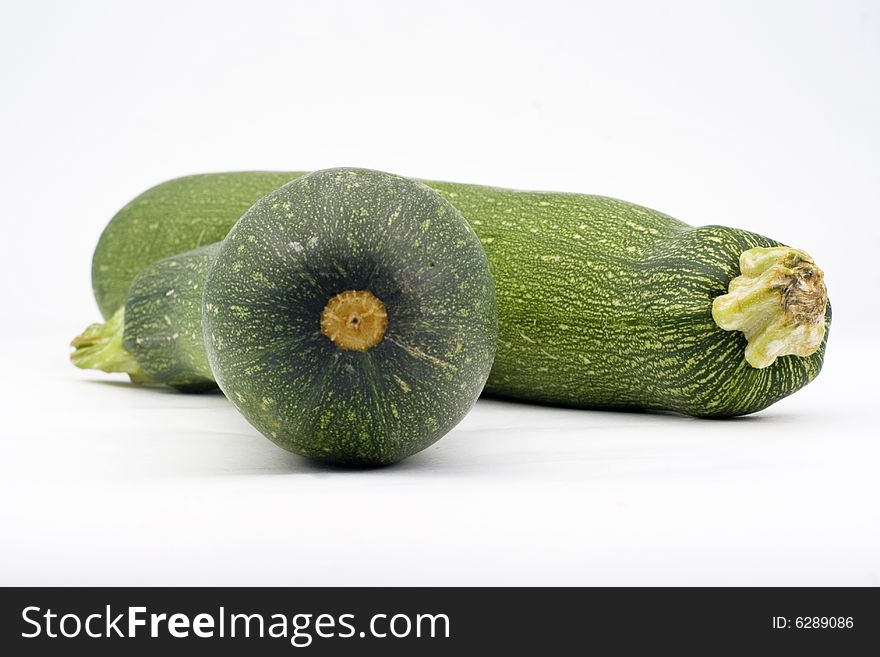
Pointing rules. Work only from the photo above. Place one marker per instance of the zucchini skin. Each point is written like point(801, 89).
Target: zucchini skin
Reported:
point(602, 303)
point(163, 320)
point(141, 232)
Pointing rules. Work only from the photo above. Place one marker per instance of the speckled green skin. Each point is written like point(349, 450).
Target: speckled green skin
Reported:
point(602, 303)
point(163, 320)
point(606, 304)
point(141, 233)
point(325, 233)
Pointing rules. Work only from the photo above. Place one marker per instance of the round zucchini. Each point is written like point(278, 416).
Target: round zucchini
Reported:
point(350, 316)
point(606, 304)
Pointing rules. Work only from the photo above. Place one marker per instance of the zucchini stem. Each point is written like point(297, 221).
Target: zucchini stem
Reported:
point(778, 301)
point(100, 347)
point(354, 319)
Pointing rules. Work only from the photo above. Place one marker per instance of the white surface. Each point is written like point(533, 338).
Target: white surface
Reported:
point(106, 484)
point(751, 114)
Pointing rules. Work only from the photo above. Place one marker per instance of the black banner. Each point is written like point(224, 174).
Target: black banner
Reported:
point(438, 621)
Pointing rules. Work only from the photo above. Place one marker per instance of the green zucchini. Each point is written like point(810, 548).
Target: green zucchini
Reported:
point(350, 316)
point(143, 231)
point(602, 303)
point(157, 338)
point(606, 304)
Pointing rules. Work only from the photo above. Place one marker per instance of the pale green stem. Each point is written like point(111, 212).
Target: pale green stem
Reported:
point(778, 301)
point(100, 347)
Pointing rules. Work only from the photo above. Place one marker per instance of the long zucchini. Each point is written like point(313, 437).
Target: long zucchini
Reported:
point(602, 303)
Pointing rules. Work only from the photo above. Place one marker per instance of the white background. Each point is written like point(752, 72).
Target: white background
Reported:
point(760, 115)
